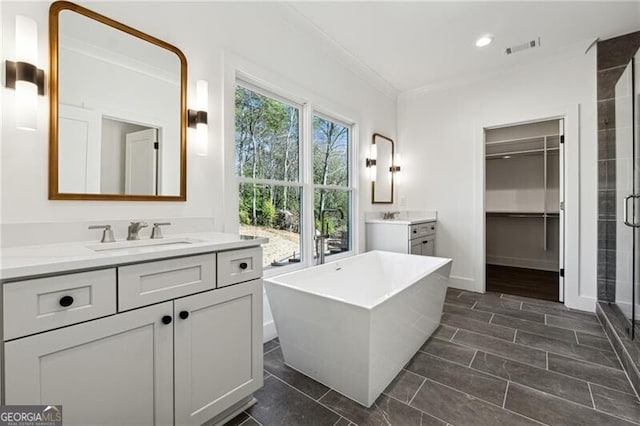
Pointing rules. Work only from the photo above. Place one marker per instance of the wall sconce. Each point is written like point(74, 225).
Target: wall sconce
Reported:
point(371, 162)
point(198, 118)
point(396, 164)
point(24, 76)
point(395, 168)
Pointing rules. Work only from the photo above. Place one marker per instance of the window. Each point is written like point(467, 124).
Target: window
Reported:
point(332, 193)
point(267, 164)
point(270, 150)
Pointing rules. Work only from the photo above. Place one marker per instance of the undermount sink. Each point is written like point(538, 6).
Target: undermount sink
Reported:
point(126, 245)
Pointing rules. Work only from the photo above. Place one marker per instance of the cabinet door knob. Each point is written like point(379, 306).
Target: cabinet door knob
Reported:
point(184, 314)
point(167, 319)
point(66, 301)
point(243, 265)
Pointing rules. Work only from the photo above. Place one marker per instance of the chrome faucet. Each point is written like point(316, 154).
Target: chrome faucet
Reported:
point(389, 215)
point(324, 233)
point(134, 228)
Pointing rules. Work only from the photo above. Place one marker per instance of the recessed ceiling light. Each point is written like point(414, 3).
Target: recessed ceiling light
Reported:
point(485, 40)
point(507, 156)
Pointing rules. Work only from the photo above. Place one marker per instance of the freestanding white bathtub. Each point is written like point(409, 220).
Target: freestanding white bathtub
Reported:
point(353, 324)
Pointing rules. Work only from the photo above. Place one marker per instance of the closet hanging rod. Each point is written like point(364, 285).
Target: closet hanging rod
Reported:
point(524, 152)
point(531, 138)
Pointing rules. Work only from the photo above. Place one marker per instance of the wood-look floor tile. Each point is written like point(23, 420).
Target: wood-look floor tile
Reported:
point(384, 411)
point(593, 373)
point(464, 379)
point(501, 332)
point(453, 292)
point(463, 303)
point(552, 410)
point(271, 344)
point(274, 364)
point(617, 403)
point(343, 422)
point(444, 332)
point(594, 341)
point(572, 350)
point(560, 310)
point(281, 405)
point(461, 409)
point(449, 351)
point(533, 301)
point(502, 307)
point(553, 383)
point(404, 386)
point(501, 348)
point(535, 328)
point(578, 325)
point(466, 312)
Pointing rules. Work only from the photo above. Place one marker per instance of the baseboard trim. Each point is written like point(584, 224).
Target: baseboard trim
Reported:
point(581, 303)
point(269, 331)
point(462, 283)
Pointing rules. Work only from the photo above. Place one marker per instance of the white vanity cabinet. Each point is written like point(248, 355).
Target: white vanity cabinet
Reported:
point(218, 353)
point(177, 350)
point(113, 371)
point(416, 236)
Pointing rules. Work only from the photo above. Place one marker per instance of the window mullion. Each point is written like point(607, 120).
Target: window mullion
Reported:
point(308, 221)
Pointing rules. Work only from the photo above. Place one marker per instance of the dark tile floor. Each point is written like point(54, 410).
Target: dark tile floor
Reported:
point(495, 360)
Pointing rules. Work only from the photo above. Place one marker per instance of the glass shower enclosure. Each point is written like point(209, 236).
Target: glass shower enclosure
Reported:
point(627, 177)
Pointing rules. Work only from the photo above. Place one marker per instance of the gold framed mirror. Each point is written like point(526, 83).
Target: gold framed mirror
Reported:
point(118, 117)
point(382, 184)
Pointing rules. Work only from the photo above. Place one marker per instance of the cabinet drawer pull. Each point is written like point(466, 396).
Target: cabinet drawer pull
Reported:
point(184, 314)
point(66, 301)
point(167, 319)
point(243, 265)
point(425, 242)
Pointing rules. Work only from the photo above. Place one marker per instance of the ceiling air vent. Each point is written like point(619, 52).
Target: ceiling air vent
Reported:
point(524, 46)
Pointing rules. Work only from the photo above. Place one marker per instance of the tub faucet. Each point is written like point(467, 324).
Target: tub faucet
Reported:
point(134, 228)
point(324, 232)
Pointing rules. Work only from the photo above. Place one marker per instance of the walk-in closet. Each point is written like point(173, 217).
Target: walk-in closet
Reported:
point(523, 209)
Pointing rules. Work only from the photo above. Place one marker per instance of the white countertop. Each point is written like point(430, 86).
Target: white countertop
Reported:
point(16, 262)
point(406, 218)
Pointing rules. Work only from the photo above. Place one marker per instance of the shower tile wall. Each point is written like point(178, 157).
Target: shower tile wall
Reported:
point(613, 56)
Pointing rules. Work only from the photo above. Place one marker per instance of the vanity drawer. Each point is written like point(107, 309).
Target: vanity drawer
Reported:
point(422, 229)
point(239, 265)
point(152, 282)
point(42, 304)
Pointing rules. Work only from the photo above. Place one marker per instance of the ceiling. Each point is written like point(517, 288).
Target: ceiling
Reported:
point(422, 45)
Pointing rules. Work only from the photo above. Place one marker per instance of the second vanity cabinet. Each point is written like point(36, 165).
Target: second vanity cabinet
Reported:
point(161, 355)
point(416, 237)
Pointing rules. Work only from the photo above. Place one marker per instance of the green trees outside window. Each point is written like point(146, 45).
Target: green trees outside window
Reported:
point(268, 163)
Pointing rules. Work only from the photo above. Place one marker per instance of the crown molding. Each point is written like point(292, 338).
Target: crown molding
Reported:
point(294, 17)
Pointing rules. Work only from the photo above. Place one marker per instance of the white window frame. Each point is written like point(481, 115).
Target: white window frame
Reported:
point(305, 174)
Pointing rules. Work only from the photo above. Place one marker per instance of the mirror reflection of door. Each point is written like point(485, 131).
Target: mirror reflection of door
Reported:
point(140, 171)
point(79, 133)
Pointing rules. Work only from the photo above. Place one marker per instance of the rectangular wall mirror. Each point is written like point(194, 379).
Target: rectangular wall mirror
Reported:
point(382, 186)
point(118, 111)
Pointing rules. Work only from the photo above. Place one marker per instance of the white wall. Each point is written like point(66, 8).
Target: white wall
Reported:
point(443, 133)
point(265, 40)
point(264, 35)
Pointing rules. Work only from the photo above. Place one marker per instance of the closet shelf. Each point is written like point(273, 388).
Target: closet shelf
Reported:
point(501, 155)
point(529, 139)
point(522, 213)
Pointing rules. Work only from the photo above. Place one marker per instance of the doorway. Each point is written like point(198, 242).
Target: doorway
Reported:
point(524, 181)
